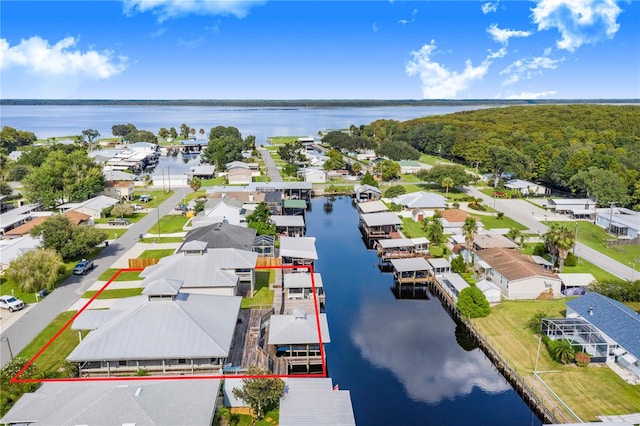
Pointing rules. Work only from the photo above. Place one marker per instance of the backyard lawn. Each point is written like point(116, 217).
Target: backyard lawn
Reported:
point(281, 140)
point(492, 222)
point(116, 293)
point(588, 391)
point(262, 295)
point(162, 240)
point(169, 224)
point(582, 267)
point(124, 276)
point(156, 254)
point(157, 197)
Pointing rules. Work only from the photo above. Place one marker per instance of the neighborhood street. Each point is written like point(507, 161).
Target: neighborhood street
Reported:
point(272, 170)
point(19, 333)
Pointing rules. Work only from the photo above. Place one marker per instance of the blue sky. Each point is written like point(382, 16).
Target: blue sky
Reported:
point(206, 49)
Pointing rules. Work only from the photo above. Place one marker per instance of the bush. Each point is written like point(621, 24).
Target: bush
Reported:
point(458, 265)
point(535, 322)
point(72, 369)
point(106, 212)
point(393, 207)
point(538, 250)
point(500, 215)
point(582, 359)
point(394, 191)
point(472, 303)
point(571, 260)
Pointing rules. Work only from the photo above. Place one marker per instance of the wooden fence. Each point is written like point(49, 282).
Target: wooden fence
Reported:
point(142, 263)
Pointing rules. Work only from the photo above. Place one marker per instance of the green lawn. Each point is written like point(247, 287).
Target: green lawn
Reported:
point(596, 237)
point(124, 276)
point(411, 228)
point(133, 218)
point(262, 295)
point(433, 160)
point(169, 224)
point(163, 240)
point(492, 222)
point(54, 356)
point(156, 254)
point(281, 140)
point(117, 293)
point(588, 391)
point(157, 197)
point(213, 182)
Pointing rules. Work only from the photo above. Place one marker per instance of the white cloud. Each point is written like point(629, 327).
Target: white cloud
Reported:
point(532, 95)
point(37, 57)
point(502, 35)
point(167, 9)
point(409, 21)
point(440, 83)
point(526, 68)
point(374, 27)
point(578, 21)
point(489, 7)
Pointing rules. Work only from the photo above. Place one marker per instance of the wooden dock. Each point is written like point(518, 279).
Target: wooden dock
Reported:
point(246, 350)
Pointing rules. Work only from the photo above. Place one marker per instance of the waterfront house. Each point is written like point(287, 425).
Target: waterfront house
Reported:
point(606, 329)
point(290, 226)
point(239, 175)
point(120, 190)
point(490, 291)
point(397, 248)
point(621, 222)
point(440, 265)
point(296, 338)
point(164, 332)
point(222, 235)
point(366, 193)
point(313, 175)
point(299, 287)
point(294, 207)
point(225, 209)
point(202, 172)
point(92, 207)
point(527, 188)
point(421, 200)
point(453, 284)
point(314, 402)
point(117, 175)
point(516, 274)
point(131, 402)
point(288, 190)
point(411, 271)
point(207, 271)
point(298, 251)
point(381, 225)
point(376, 206)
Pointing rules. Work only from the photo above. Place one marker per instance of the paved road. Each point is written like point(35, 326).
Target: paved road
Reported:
point(25, 329)
point(533, 217)
point(273, 171)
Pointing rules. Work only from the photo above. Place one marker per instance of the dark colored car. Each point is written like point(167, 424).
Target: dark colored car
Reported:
point(83, 267)
point(122, 222)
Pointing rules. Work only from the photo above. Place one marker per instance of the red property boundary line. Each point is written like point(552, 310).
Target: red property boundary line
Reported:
point(16, 379)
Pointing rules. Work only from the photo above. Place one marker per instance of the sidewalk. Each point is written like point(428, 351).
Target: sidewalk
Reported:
point(138, 248)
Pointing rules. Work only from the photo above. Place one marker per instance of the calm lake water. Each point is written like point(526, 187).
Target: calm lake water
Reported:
point(399, 358)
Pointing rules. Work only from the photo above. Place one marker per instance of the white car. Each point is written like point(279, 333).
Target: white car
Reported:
point(11, 303)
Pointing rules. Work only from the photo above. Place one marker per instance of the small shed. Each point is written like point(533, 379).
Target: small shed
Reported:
point(490, 291)
point(440, 265)
point(412, 271)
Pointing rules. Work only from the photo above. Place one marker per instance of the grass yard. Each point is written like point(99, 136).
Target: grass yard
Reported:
point(271, 418)
point(212, 182)
point(157, 197)
point(596, 237)
point(582, 267)
point(117, 293)
point(156, 254)
point(124, 276)
point(169, 224)
point(588, 391)
point(262, 295)
point(162, 240)
point(411, 228)
point(492, 222)
point(54, 356)
point(281, 140)
point(135, 217)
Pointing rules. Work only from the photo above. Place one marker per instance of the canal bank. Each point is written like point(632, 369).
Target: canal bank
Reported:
point(405, 361)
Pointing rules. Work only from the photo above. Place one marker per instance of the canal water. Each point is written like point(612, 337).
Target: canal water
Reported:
point(404, 360)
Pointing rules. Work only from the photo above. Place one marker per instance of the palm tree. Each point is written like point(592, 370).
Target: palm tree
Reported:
point(469, 230)
point(447, 183)
point(563, 351)
point(201, 132)
point(195, 183)
point(433, 228)
point(559, 239)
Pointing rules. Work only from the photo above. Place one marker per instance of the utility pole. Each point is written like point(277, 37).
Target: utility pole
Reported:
point(169, 177)
point(6, 339)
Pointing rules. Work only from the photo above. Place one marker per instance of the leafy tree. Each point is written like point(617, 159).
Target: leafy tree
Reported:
point(356, 167)
point(291, 152)
point(225, 145)
point(472, 303)
point(335, 161)
point(63, 177)
point(340, 141)
point(5, 188)
point(11, 138)
point(458, 265)
point(504, 159)
point(11, 392)
point(394, 191)
point(387, 170)
point(173, 133)
point(259, 220)
point(195, 183)
point(469, 230)
point(142, 136)
point(184, 131)
point(122, 210)
point(622, 291)
point(199, 206)
point(571, 260)
point(34, 157)
point(69, 240)
point(604, 186)
point(18, 172)
point(122, 130)
point(368, 179)
point(36, 270)
point(163, 133)
point(397, 150)
point(262, 394)
point(434, 229)
point(89, 136)
point(447, 183)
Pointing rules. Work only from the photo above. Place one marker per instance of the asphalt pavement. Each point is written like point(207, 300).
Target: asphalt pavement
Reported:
point(273, 171)
point(22, 331)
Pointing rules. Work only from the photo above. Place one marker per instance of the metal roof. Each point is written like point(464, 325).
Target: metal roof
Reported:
point(299, 328)
point(541, 260)
point(162, 287)
point(411, 264)
point(372, 207)
point(456, 281)
point(294, 204)
point(381, 219)
point(577, 280)
point(314, 402)
point(613, 318)
point(396, 242)
point(287, 220)
point(439, 262)
point(366, 188)
point(298, 247)
point(191, 326)
point(90, 319)
point(421, 199)
point(16, 215)
point(302, 280)
point(168, 402)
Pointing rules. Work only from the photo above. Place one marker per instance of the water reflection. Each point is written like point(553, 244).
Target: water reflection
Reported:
point(413, 341)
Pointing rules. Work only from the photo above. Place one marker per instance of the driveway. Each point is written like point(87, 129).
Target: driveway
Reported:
point(534, 217)
point(23, 330)
point(273, 171)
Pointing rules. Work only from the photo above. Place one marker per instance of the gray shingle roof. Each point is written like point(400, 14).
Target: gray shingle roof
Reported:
point(223, 235)
point(168, 402)
point(299, 328)
point(613, 318)
point(191, 326)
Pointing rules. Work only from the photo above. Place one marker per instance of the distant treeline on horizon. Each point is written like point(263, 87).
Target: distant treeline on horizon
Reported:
point(309, 103)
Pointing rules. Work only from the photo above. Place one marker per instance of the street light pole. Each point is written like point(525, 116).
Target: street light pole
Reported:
point(158, 223)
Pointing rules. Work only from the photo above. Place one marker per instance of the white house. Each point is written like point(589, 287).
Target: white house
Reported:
point(527, 188)
point(225, 209)
point(120, 190)
point(239, 176)
point(314, 175)
point(92, 207)
point(624, 223)
point(578, 208)
point(421, 200)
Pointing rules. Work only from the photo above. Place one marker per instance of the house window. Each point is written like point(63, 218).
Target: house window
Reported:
point(122, 363)
point(182, 361)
